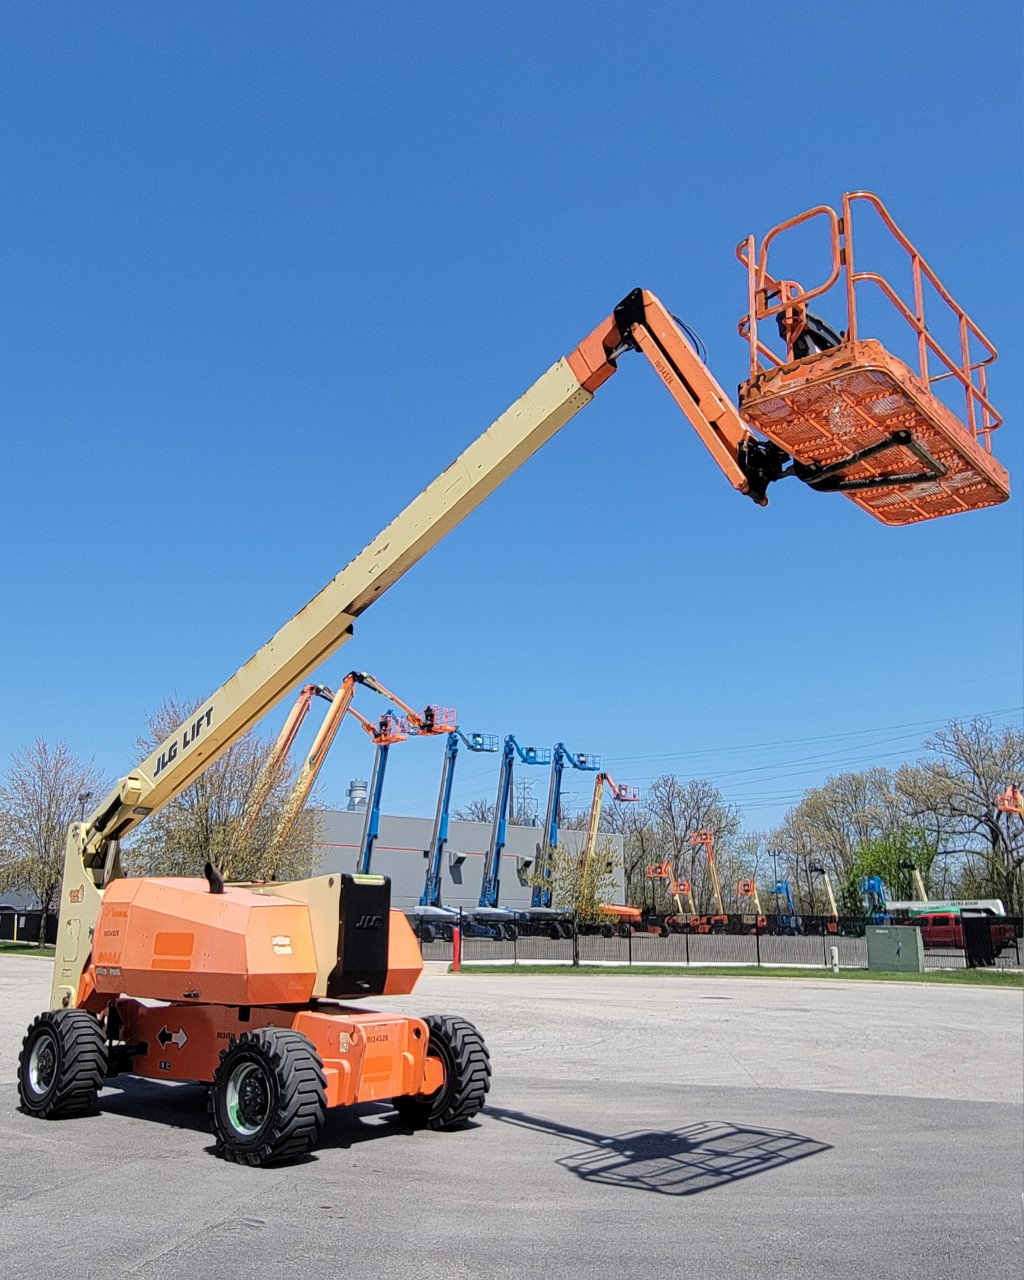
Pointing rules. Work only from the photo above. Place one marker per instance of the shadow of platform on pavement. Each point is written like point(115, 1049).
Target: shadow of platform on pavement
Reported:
point(677, 1162)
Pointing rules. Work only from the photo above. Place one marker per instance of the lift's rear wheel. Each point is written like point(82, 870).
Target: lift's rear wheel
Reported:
point(427, 933)
point(62, 1064)
point(467, 1076)
point(268, 1097)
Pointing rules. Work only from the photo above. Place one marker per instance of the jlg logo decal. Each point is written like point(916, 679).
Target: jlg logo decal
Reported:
point(369, 922)
point(170, 752)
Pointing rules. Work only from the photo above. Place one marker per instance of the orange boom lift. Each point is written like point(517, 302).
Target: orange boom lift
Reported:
point(714, 923)
point(259, 984)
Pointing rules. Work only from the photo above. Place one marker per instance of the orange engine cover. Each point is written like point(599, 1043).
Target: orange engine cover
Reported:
point(172, 939)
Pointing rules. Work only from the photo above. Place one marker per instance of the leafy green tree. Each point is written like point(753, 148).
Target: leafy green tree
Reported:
point(829, 827)
point(578, 888)
point(891, 856)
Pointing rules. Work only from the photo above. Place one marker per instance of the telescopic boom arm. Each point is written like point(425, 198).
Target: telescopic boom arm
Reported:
point(707, 839)
point(619, 792)
point(275, 763)
point(641, 323)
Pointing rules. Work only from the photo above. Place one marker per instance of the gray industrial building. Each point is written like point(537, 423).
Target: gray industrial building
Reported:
point(400, 848)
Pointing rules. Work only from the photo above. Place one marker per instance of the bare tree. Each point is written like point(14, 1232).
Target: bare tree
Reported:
point(832, 823)
point(205, 822)
point(954, 798)
point(478, 810)
point(677, 810)
point(640, 849)
point(747, 858)
point(46, 789)
point(521, 812)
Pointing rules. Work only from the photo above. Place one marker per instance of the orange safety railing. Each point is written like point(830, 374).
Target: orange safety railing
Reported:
point(770, 297)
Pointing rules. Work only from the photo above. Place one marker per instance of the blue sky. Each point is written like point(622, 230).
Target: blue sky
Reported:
point(267, 269)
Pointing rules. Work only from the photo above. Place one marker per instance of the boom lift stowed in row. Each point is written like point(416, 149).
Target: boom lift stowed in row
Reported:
point(488, 918)
point(540, 899)
point(430, 899)
point(257, 978)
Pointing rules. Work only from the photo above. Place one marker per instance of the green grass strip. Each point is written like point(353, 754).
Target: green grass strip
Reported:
point(939, 977)
point(25, 949)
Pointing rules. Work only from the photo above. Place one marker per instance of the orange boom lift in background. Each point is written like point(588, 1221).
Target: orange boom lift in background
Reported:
point(257, 982)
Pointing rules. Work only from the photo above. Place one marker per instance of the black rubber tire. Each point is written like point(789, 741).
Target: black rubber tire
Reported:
point(62, 1064)
point(426, 933)
point(510, 931)
point(565, 929)
point(623, 930)
point(467, 1069)
point(287, 1097)
point(554, 932)
point(446, 933)
point(663, 931)
point(607, 931)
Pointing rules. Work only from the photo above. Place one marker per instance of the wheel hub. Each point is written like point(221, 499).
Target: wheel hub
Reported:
point(248, 1099)
point(42, 1065)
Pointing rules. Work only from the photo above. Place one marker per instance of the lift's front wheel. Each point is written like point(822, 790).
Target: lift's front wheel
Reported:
point(467, 1076)
point(62, 1064)
point(268, 1097)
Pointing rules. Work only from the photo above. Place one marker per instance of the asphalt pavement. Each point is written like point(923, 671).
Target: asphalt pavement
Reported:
point(657, 1126)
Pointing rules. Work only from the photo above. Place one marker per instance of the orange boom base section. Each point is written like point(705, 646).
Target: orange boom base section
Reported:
point(366, 1056)
point(172, 939)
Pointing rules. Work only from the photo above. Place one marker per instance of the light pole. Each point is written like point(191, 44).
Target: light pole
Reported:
point(83, 799)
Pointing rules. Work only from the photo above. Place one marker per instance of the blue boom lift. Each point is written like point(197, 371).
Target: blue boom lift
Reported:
point(431, 895)
point(542, 917)
point(489, 919)
point(562, 756)
point(789, 923)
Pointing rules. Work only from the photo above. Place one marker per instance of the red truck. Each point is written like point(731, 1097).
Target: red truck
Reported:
point(943, 929)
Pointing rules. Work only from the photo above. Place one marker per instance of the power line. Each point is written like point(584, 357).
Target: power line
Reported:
point(856, 754)
point(828, 737)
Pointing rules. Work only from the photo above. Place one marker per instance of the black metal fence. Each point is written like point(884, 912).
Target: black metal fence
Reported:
point(25, 926)
point(809, 946)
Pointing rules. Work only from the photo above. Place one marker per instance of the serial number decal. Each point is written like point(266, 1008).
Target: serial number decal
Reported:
point(170, 753)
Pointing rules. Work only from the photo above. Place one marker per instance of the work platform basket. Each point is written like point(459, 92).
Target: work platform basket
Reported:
point(854, 417)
